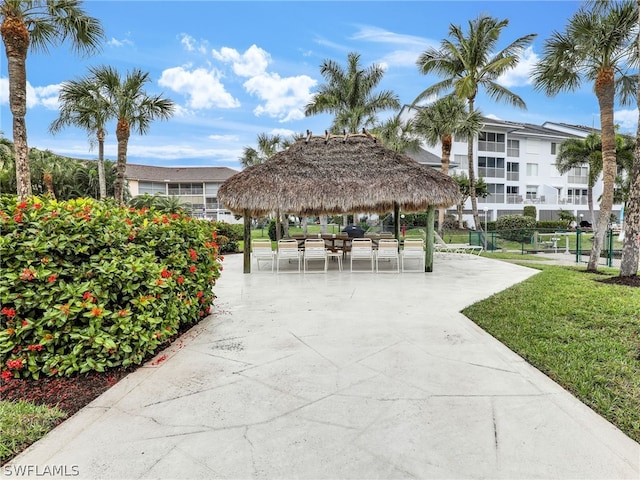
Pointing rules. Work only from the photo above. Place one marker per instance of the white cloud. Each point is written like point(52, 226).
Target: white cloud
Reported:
point(114, 42)
point(285, 98)
point(283, 132)
point(224, 138)
point(4, 91)
point(46, 96)
point(190, 44)
point(521, 75)
point(202, 87)
point(627, 119)
point(252, 62)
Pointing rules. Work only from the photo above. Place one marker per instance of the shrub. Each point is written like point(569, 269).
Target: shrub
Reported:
point(228, 236)
point(551, 225)
point(517, 228)
point(89, 285)
point(530, 211)
point(272, 230)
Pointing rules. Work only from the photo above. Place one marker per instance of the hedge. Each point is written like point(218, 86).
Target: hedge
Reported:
point(89, 285)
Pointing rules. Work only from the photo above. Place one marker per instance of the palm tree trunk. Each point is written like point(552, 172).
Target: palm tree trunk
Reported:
point(446, 158)
point(592, 215)
point(472, 175)
point(16, 40)
point(631, 245)
point(605, 92)
point(122, 135)
point(102, 182)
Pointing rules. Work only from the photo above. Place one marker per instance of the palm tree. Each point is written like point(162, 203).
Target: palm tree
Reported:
point(597, 46)
point(38, 24)
point(439, 123)
point(469, 63)
point(348, 95)
point(132, 107)
point(268, 145)
point(83, 105)
point(576, 152)
point(396, 134)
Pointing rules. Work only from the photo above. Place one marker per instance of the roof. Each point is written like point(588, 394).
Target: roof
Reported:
point(337, 174)
point(151, 173)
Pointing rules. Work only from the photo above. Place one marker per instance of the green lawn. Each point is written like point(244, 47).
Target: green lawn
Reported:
point(583, 334)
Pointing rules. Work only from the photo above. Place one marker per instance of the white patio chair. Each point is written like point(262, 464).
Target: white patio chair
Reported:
point(388, 251)
point(261, 250)
point(288, 250)
point(413, 250)
point(362, 249)
point(314, 250)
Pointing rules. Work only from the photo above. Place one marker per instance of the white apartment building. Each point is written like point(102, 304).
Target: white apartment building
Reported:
point(517, 162)
point(197, 187)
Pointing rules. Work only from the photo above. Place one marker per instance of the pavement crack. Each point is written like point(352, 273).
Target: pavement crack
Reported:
point(314, 350)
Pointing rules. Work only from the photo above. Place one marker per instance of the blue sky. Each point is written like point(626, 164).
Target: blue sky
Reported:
point(237, 69)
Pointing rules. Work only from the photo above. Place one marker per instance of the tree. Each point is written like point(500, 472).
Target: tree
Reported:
point(349, 96)
point(133, 108)
point(268, 145)
point(469, 63)
point(397, 135)
point(84, 105)
point(596, 46)
point(465, 192)
point(38, 24)
point(439, 123)
point(576, 152)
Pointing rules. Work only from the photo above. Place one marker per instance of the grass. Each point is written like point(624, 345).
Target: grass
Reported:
point(22, 423)
point(583, 334)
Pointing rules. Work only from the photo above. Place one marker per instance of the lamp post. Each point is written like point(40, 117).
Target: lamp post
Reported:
point(485, 228)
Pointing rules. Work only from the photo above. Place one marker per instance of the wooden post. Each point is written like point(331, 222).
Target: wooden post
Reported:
point(428, 258)
point(396, 221)
point(247, 241)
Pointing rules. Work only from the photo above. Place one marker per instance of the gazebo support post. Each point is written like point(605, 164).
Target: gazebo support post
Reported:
point(396, 221)
point(247, 241)
point(428, 258)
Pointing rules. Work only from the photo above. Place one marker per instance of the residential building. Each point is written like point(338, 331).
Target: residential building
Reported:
point(196, 187)
point(518, 163)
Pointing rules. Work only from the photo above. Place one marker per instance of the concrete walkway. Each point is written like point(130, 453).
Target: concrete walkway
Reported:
point(335, 376)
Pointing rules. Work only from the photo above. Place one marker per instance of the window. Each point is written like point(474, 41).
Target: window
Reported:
point(462, 161)
point(496, 194)
point(579, 175)
point(513, 148)
point(532, 192)
point(577, 196)
point(491, 167)
point(532, 169)
point(185, 189)
point(491, 142)
point(513, 171)
point(152, 188)
point(212, 203)
point(554, 148)
point(513, 194)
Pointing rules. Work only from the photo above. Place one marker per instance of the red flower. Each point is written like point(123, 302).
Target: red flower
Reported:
point(192, 268)
point(52, 278)
point(15, 364)
point(180, 280)
point(21, 205)
point(9, 312)
point(25, 323)
point(87, 296)
point(123, 313)
point(128, 221)
point(37, 206)
point(6, 375)
point(193, 254)
point(28, 274)
point(18, 218)
point(199, 294)
point(165, 273)
point(35, 348)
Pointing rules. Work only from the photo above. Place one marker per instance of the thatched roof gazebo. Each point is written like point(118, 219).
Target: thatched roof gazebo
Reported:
point(338, 174)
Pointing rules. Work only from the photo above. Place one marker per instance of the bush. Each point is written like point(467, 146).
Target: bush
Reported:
point(517, 228)
point(530, 211)
point(228, 236)
point(551, 225)
point(89, 285)
point(272, 230)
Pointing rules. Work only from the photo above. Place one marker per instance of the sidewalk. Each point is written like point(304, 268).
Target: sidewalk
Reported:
point(335, 376)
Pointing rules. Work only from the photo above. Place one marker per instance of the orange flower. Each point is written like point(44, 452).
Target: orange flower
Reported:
point(96, 312)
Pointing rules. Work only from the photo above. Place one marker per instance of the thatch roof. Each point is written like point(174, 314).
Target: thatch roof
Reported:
point(337, 174)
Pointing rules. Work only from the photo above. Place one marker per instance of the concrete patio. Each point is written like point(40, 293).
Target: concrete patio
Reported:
point(340, 375)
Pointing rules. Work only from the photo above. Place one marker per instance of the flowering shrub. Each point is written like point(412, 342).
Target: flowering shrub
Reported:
point(88, 285)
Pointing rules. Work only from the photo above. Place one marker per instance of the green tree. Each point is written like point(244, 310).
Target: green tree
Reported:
point(470, 62)
point(83, 105)
point(595, 47)
point(349, 95)
point(577, 152)
point(481, 190)
point(439, 123)
point(132, 107)
point(38, 24)
point(268, 145)
point(397, 135)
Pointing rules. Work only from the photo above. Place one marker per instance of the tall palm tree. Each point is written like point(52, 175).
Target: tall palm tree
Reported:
point(83, 105)
point(439, 123)
point(349, 96)
point(599, 46)
point(132, 107)
point(577, 152)
point(469, 62)
point(396, 134)
point(38, 24)
point(268, 145)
